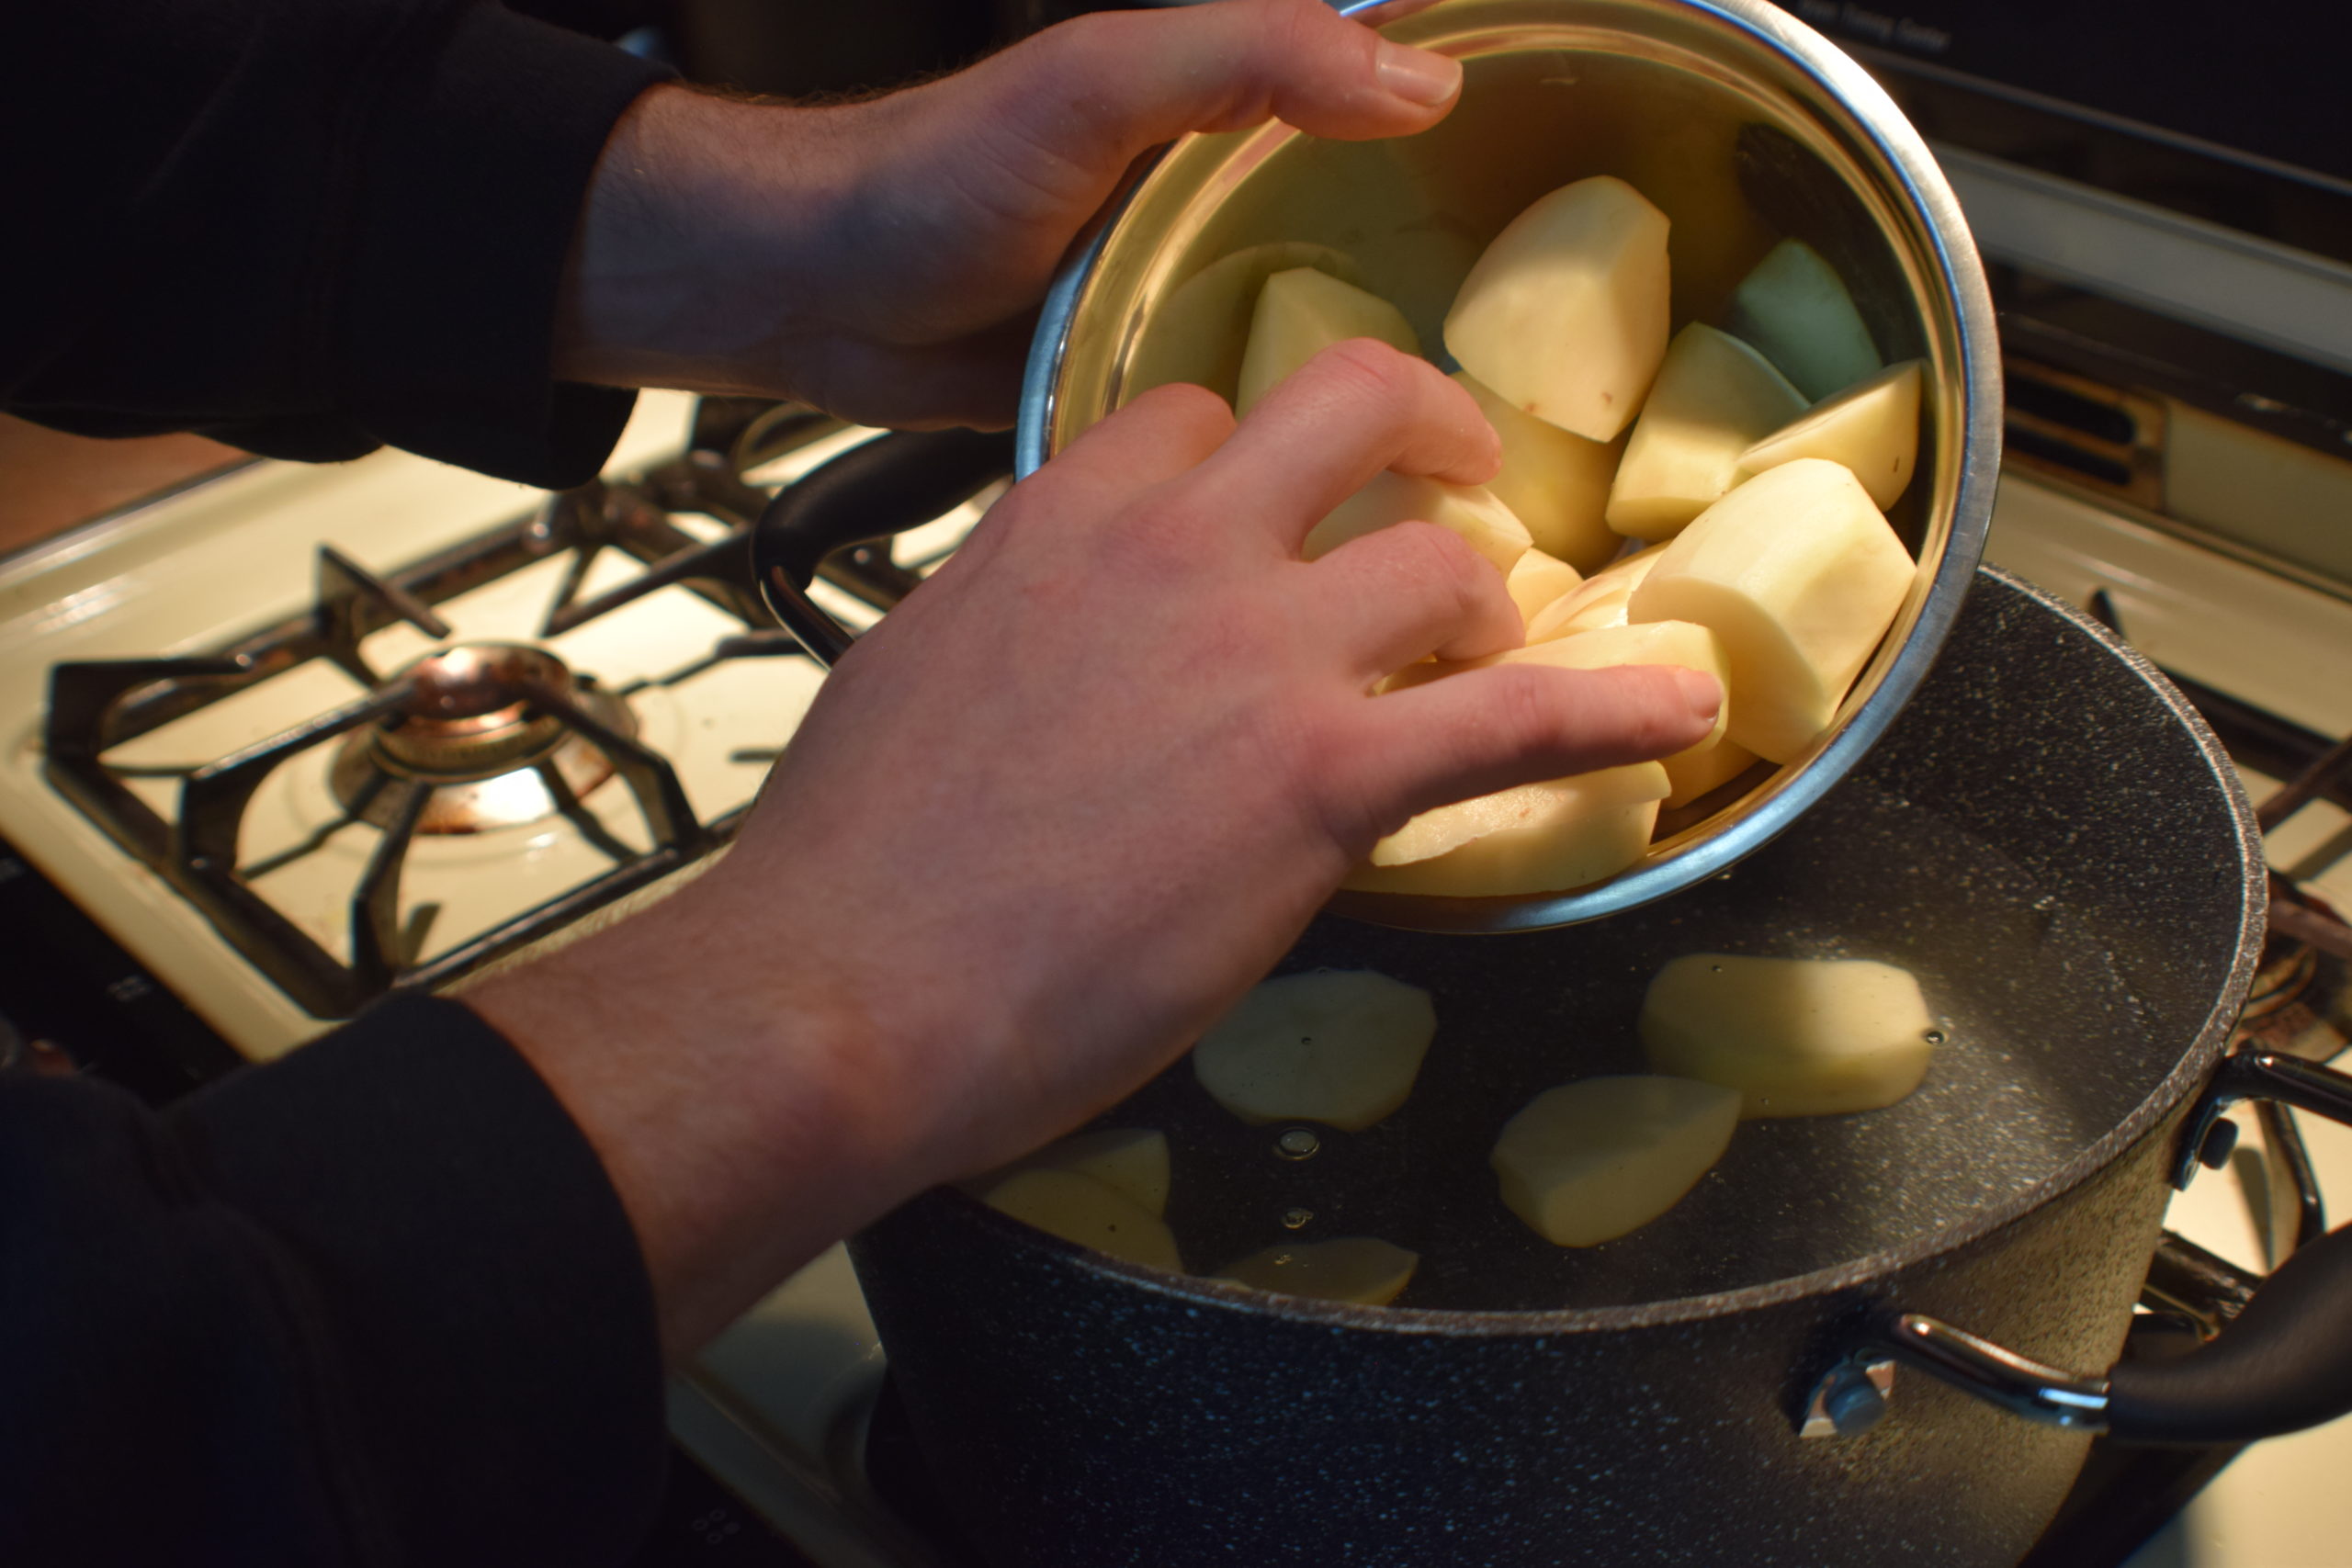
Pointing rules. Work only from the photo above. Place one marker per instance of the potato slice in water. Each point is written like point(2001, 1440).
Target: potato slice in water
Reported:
point(1796, 312)
point(1590, 1161)
point(1538, 838)
point(1555, 481)
point(1201, 331)
point(1131, 1161)
point(1690, 774)
point(1337, 1046)
point(1799, 575)
point(1359, 1268)
point(1485, 524)
point(1872, 429)
point(1713, 397)
point(1598, 602)
point(1566, 314)
point(1537, 579)
point(1080, 1209)
point(1302, 313)
point(1793, 1036)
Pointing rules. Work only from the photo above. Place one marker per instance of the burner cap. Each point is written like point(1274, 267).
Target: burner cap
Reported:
point(475, 727)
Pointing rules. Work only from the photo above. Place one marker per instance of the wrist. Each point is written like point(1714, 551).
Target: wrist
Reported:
point(744, 1123)
point(698, 251)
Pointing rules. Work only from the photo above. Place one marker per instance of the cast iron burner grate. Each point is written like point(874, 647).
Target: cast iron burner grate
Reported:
point(417, 750)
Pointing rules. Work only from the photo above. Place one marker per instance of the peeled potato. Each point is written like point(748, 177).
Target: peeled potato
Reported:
point(1590, 1161)
point(1793, 1036)
point(1201, 331)
point(1795, 308)
point(1690, 774)
point(1872, 429)
point(1564, 316)
point(1131, 1161)
point(1557, 483)
point(1484, 524)
point(1337, 1046)
point(1599, 601)
point(1304, 312)
point(1799, 575)
point(1713, 397)
point(1550, 837)
point(1537, 579)
point(1080, 1210)
point(1359, 1268)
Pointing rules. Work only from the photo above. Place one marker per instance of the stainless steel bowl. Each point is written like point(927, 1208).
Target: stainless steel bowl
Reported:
point(1744, 125)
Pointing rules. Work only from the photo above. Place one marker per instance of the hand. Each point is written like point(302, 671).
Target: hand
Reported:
point(1052, 817)
point(885, 260)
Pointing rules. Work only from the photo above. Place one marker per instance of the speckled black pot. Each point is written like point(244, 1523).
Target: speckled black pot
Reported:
point(2049, 835)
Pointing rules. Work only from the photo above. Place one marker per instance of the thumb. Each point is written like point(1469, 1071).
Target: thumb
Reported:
point(1489, 729)
point(1099, 89)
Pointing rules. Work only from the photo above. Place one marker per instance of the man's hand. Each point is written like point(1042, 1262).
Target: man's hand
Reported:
point(885, 260)
point(1054, 815)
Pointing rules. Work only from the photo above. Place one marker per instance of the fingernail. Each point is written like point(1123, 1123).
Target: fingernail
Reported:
point(1418, 77)
point(1700, 694)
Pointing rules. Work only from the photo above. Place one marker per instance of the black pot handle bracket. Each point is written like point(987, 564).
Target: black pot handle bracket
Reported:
point(879, 488)
point(2282, 1364)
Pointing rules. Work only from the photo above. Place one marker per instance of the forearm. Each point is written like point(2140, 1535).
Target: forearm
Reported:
point(700, 245)
point(742, 1111)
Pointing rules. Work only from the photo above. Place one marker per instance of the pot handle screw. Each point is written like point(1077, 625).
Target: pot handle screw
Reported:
point(1850, 1398)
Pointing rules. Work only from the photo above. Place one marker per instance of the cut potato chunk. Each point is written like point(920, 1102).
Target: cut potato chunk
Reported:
point(1555, 481)
point(1799, 575)
point(1337, 1046)
point(1537, 579)
point(1201, 331)
point(1797, 313)
point(1080, 1209)
point(1872, 430)
point(1539, 838)
point(1359, 1268)
point(1131, 1161)
point(1793, 1036)
point(1713, 397)
point(1598, 602)
point(1690, 774)
point(1590, 1161)
point(1564, 316)
point(1484, 524)
point(1304, 312)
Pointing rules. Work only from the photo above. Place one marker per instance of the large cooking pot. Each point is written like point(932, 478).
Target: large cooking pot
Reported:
point(2056, 845)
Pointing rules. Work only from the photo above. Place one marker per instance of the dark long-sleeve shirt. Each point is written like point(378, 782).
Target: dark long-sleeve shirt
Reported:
point(304, 227)
point(377, 1303)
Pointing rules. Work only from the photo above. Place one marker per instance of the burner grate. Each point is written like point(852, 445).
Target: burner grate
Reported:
point(98, 707)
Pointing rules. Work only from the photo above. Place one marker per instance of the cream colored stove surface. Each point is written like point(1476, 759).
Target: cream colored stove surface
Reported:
point(239, 553)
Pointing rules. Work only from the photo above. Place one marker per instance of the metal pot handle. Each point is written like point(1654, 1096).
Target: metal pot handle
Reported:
point(2283, 1364)
point(881, 487)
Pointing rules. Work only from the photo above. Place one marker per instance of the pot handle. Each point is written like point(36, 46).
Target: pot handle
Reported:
point(2284, 1364)
point(881, 487)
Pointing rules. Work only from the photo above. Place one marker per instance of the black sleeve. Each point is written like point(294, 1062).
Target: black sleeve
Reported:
point(304, 227)
point(375, 1304)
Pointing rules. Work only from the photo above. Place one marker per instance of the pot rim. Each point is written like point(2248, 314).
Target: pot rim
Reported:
point(2189, 1075)
point(1975, 386)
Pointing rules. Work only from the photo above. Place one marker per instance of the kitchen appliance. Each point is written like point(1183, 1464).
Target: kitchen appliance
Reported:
point(2175, 307)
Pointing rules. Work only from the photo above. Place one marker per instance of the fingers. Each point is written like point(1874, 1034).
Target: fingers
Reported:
point(1389, 598)
point(1217, 67)
point(1355, 409)
point(1488, 729)
point(1164, 433)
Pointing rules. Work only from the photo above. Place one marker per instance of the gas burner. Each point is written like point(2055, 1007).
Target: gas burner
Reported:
point(476, 724)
